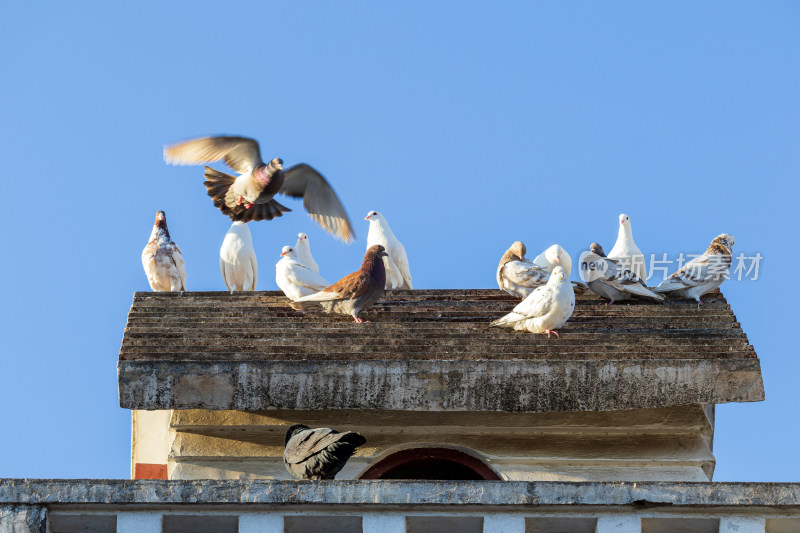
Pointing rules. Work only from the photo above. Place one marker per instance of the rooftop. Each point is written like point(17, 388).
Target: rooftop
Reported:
point(429, 350)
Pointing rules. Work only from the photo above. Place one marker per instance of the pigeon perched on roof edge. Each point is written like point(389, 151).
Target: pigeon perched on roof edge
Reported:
point(702, 274)
point(612, 280)
point(303, 250)
point(295, 278)
point(545, 309)
point(237, 259)
point(398, 273)
point(357, 291)
point(625, 251)
point(162, 259)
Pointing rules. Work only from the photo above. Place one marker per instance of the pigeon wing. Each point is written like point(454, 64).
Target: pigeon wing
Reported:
point(538, 303)
point(349, 287)
point(525, 273)
point(177, 259)
point(240, 153)
point(305, 277)
point(319, 199)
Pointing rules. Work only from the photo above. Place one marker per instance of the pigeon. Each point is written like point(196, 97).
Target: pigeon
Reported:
point(552, 257)
point(702, 274)
point(398, 275)
point(625, 250)
point(545, 309)
point(519, 276)
point(318, 453)
point(296, 279)
point(303, 249)
point(612, 281)
point(249, 196)
point(237, 259)
point(357, 291)
point(162, 259)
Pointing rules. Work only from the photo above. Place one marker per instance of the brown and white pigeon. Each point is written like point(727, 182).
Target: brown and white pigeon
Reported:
point(611, 280)
point(702, 274)
point(519, 276)
point(318, 453)
point(249, 196)
point(162, 259)
point(357, 291)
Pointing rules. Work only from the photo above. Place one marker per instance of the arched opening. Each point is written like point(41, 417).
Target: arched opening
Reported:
point(430, 463)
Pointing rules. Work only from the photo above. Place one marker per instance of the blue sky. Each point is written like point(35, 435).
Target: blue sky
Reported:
point(468, 125)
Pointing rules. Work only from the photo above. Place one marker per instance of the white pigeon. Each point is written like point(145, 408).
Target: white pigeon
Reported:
point(294, 278)
point(702, 274)
point(398, 275)
point(237, 259)
point(303, 251)
point(162, 259)
point(552, 257)
point(545, 309)
point(625, 250)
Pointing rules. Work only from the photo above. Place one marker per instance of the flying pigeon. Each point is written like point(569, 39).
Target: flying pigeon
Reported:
point(249, 196)
point(296, 279)
point(303, 250)
point(162, 259)
point(318, 453)
point(625, 250)
point(613, 281)
point(702, 274)
point(237, 259)
point(545, 309)
point(356, 291)
point(519, 276)
point(398, 275)
point(554, 256)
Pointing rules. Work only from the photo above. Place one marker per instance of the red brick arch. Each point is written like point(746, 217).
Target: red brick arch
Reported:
point(441, 460)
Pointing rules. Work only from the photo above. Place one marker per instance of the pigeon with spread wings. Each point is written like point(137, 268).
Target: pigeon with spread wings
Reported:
point(250, 195)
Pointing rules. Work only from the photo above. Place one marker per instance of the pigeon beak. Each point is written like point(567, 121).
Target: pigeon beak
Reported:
point(283, 253)
point(366, 217)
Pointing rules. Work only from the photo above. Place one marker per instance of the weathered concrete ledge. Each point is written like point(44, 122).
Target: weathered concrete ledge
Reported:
point(388, 493)
point(439, 385)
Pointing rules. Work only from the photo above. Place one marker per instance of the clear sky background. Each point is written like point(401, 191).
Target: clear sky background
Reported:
point(468, 125)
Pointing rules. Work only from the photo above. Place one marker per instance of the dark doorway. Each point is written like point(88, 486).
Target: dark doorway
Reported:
point(430, 464)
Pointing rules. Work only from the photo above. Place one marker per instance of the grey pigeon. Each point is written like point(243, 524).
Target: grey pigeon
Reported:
point(318, 453)
point(614, 281)
point(702, 274)
point(249, 196)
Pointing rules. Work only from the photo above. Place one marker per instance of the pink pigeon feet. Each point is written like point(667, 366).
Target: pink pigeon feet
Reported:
point(549, 331)
point(248, 206)
point(359, 320)
point(239, 200)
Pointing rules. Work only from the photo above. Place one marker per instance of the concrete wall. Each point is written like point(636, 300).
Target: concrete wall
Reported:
point(668, 444)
